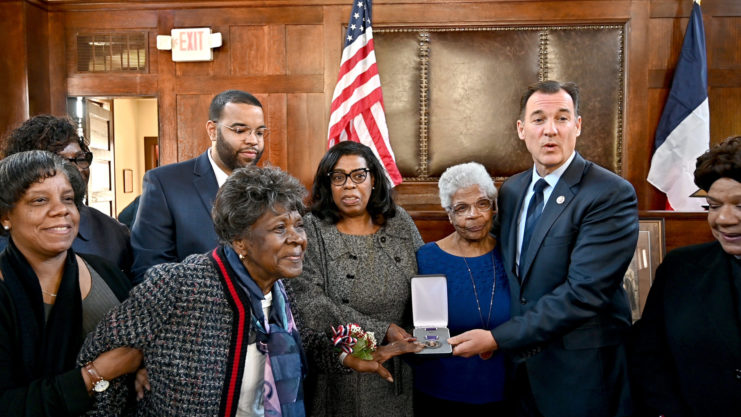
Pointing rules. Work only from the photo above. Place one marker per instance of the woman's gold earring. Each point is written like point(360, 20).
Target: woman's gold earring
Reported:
point(6, 227)
point(241, 257)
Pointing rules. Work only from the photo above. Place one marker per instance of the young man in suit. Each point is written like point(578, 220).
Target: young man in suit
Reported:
point(567, 243)
point(174, 216)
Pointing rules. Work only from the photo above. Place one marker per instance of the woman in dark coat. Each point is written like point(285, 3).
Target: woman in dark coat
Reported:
point(50, 297)
point(686, 356)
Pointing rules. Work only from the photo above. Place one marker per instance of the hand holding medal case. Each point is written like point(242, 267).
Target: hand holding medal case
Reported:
point(430, 310)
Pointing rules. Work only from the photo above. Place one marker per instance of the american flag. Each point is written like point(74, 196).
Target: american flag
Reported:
point(357, 103)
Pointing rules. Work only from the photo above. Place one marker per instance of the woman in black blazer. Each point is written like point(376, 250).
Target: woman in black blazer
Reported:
point(687, 346)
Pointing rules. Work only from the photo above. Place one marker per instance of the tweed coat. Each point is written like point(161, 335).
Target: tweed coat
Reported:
point(185, 318)
point(364, 280)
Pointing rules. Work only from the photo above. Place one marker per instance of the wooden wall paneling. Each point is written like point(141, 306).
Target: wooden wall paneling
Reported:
point(70, 58)
point(683, 229)
point(502, 12)
point(725, 106)
point(14, 105)
point(105, 20)
point(258, 83)
point(725, 81)
point(192, 115)
point(418, 196)
point(433, 226)
point(724, 39)
point(249, 15)
point(106, 84)
point(258, 50)
point(306, 133)
point(636, 141)
point(37, 44)
point(334, 20)
point(152, 55)
point(665, 36)
point(304, 49)
point(671, 8)
point(57, 65)
point(276, 147)
point(167, 102)
point(724, 77)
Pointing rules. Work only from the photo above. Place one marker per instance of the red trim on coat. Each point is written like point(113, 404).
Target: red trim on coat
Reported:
point(238, 355)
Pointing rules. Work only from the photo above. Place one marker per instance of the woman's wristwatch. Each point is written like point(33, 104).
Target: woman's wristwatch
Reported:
point(99, 383)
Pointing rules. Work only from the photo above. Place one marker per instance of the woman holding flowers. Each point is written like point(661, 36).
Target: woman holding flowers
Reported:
point(359, 262)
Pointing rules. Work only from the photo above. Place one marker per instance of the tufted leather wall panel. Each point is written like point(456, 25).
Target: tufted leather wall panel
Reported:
point(452, 94)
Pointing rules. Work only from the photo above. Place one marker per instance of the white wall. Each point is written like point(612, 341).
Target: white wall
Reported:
point(133, 119)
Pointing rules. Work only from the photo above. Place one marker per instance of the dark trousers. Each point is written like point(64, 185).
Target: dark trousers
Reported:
point(524, 400)
point(427, 406)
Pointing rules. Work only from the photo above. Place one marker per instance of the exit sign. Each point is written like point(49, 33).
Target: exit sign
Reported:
point(194, 44)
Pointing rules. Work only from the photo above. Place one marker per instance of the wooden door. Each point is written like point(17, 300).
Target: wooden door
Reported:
point(151, 152)
point(101, 189)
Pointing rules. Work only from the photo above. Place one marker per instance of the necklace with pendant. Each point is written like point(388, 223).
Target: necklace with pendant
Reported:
point(476, 294)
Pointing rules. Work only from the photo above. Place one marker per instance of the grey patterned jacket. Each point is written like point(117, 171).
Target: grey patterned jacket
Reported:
point(184, 318)
point(364, 280)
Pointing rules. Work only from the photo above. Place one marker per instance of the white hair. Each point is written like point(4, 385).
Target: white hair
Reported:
point(462, 176)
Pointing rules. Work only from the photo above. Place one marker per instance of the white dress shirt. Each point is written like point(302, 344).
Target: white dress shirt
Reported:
point(552, 180)
point(221, 176)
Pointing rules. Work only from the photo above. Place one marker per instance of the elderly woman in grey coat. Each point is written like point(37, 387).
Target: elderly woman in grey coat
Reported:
point(217, 331)
point(358, 269)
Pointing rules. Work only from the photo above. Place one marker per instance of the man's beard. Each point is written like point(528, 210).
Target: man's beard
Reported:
point(228, 155)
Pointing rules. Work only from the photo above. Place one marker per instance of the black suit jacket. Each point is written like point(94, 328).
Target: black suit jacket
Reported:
point(174, 216)
point(686, 350)
point(570, 314)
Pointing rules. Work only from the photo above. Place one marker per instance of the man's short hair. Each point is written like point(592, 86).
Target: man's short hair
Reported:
point(550, 87)
point(230, 96)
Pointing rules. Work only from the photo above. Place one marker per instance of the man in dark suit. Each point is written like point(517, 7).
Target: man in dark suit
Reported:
point(570, 314)
point(174, 216)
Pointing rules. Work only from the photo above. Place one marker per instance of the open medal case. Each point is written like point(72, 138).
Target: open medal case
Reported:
point(430, 310)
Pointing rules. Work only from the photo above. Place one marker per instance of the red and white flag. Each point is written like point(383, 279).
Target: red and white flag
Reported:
point(357, 103)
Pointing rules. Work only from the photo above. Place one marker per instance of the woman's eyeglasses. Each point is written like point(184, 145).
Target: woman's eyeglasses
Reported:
point(357, 176)
point(82, 160)
point(462, 209)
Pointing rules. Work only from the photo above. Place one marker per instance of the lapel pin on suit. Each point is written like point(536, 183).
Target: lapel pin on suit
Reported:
point(560, 199)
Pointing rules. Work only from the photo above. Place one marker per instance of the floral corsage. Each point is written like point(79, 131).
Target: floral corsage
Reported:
point(351, 339)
